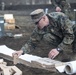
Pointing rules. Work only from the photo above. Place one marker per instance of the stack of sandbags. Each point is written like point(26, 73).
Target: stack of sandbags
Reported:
point(9, 21)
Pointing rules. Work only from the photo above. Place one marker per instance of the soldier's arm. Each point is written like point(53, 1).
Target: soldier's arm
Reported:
point(32, 42)
point(67, 28)
point(68, 5)
point(54, 3)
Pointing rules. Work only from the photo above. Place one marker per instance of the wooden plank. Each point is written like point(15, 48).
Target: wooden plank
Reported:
point(15, 59)
point(50, 68)
point(45, 63)
point(14, 70)
point(29, 60)
point(4, 69)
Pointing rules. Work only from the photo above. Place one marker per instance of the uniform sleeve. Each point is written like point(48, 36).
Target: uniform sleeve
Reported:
point(31, 43)
point(67, 29)
point(54, 3)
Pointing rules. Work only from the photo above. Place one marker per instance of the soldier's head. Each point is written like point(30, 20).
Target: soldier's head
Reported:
point(39, 18)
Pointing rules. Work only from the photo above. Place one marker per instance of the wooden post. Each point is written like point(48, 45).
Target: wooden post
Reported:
point(15, 59)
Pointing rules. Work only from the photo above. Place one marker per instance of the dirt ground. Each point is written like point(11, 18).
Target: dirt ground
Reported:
point(25, 27)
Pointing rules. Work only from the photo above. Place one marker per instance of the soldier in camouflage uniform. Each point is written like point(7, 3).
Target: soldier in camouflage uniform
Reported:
point(61, 5)
point(53, 29)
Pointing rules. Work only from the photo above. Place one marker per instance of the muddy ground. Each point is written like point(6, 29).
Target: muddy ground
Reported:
point(25, 27)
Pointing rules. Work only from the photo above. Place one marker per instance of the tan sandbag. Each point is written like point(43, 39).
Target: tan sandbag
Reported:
point(9, 26)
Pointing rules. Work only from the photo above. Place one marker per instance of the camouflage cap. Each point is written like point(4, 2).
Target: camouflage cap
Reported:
point(37, 14)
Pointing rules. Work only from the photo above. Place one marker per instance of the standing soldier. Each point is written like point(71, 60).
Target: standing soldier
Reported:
point(61, 5)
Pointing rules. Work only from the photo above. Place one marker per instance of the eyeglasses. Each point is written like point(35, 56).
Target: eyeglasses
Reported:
point(37, 22)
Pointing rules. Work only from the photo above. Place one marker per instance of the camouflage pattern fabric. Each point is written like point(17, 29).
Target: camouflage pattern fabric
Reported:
point(59, 32)
point(62, 4)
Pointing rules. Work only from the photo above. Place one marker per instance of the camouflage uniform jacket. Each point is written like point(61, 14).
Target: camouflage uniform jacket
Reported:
point(62, 4)
point(59, 28)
